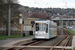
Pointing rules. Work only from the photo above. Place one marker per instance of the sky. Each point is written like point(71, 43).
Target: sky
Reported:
point(48, 3)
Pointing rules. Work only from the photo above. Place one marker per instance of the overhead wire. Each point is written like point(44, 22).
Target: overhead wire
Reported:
point(44, 3)
point(65, 3)
point(38, 3)
point(41, 1)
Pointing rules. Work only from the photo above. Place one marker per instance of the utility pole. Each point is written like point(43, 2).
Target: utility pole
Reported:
point(9, 20)
point(61, 25)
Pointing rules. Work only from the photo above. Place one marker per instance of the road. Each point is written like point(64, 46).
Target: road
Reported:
point(9, 40)
point(73, 29)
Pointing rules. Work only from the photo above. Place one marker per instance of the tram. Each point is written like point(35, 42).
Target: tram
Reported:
point(45, 29)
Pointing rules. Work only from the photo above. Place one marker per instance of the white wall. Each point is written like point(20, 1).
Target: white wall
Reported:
point(27, 28)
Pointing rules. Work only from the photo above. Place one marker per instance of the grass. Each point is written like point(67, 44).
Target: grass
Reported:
point(1, 48)
point(18, 36)
point(29, 35)
point(15, 36)
point(3, 37)
point(73, 32)
point(73, 48)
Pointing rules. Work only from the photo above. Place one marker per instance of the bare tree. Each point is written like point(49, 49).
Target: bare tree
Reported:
point(4, 5)
point(11, 1)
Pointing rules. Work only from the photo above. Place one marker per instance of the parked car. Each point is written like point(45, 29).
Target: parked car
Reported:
point(67, 27)
point(70, 27)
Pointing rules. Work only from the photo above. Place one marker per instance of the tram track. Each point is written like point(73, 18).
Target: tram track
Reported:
point(67, 32)
point(66, 42)
point(63, 42)
point(33, 45)
point(28, 48)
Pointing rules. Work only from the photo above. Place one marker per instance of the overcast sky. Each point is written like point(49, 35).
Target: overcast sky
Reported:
point(48, 3)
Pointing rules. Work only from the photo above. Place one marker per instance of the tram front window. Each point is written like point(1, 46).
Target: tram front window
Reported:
point(41, 27)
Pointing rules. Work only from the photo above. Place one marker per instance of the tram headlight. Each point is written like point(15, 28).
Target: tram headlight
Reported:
point(36, 32)
point(44, 32)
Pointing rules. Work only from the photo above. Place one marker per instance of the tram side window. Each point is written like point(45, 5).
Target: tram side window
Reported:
point(37, 27)
point(46, 28)
point(50, 27)
point(56, 28)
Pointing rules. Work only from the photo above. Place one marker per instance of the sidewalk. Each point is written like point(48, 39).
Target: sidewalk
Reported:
point(11, 41)
point(73, 41)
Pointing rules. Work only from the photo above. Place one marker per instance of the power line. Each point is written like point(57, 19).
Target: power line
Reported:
point(38, 3)
point(65, 3)
point(41, 1)
point(44, 3)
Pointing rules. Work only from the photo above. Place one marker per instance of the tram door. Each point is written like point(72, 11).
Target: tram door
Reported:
point(50, 30)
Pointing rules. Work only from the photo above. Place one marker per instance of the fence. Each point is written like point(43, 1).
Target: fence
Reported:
point(16, 32)
point(2, 32)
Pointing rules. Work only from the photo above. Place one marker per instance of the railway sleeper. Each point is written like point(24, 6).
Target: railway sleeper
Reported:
point(40, 48)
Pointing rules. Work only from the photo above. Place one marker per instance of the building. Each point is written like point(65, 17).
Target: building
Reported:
point(28, 24)
point(66, 21)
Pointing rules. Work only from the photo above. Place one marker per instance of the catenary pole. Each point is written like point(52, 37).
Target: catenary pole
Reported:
point(9, 19)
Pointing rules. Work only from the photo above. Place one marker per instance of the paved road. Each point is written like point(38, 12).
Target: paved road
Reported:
point(3, 42)
point(73, 29)
point(73, 42)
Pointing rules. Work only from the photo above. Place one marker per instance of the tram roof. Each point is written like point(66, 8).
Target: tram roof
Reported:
point(42, 20)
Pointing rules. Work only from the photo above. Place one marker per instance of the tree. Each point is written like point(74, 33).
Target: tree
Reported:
point(38, 15)
point(4, 11)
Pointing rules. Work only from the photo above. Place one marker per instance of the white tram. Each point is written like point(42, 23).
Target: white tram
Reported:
point(45, 29)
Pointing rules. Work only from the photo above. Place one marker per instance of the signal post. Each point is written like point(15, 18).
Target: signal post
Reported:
point(20, 22)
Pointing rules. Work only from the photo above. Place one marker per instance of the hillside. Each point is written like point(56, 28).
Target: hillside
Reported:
point(43, 13)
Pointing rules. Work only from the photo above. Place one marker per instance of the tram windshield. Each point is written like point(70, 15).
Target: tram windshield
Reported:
point(42, 27)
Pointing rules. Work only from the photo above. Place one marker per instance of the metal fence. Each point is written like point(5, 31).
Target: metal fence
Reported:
point(16, 32)
point(2, 32)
